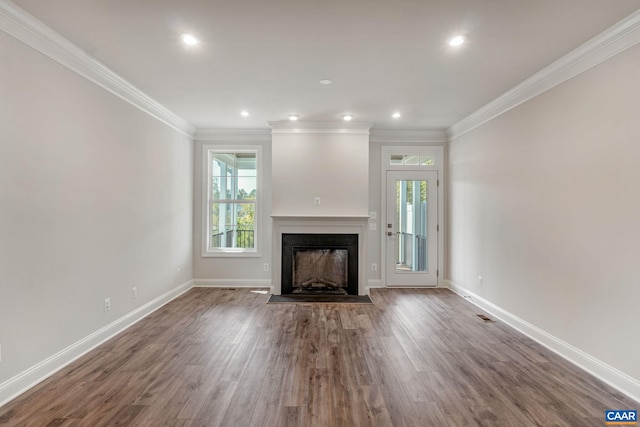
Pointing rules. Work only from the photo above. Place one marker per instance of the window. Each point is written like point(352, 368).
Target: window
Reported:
point(232, 201)
point(410, 160)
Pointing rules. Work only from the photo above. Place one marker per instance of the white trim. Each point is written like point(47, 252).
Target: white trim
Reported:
point(233, 283)
point(373, 284)
point(34, 33)
point(233, 135)
point(22, 382)
point(610, 375)
point(418, 150)
point(390, 136)
point(278, 217)
point(256, 252)
point(605, 45)
point(320, 127)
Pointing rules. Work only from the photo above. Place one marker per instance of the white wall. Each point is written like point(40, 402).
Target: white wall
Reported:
point(544, 205)
point(229, 271)
point(95, 197)
point(333, 166)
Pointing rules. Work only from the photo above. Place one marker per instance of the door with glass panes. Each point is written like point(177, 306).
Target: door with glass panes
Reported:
point(411, 231)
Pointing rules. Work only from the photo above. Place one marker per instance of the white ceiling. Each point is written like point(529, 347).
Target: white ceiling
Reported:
point(267, 56)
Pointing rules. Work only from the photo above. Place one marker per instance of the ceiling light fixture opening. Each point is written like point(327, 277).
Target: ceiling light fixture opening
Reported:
point(190, 40)
point(347, 117)
point(396, 115)
point(293, 117)
point(244, 113)
point(326, 82)
point(457, 41)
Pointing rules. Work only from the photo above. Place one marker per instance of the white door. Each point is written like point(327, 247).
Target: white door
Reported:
point(411, 231)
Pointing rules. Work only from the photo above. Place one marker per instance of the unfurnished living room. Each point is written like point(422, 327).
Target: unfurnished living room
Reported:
point(319, 213)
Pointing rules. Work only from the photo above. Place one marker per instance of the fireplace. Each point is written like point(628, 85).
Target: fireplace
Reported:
point(354, 226)
point(325, 264)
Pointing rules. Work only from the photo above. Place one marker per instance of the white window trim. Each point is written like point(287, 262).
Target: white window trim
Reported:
point(436, 151)
point(206, 182)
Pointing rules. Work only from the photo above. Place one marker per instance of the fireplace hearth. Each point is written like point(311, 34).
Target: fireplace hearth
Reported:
point(320, 264)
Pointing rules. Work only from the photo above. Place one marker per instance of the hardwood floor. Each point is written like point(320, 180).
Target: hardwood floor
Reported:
point(223, 357)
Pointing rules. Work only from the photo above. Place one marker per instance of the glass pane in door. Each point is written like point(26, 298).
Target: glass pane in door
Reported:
point(411, 226)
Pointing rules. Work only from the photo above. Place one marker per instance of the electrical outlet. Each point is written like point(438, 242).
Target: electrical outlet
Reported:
point(265, 266)
point(134, 292)
point(480, 281)
point(374, 267)
point(107, 304)
point(316, 201)
point(373, 215)
point(372, 226)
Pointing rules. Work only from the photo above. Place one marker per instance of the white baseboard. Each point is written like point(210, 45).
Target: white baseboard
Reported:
point(373, 284)
point(22, 382)
point(233, 283)
point(610, 375)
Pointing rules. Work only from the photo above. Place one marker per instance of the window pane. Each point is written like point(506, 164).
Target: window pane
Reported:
point(411, 160)
point(246, 188)
point(246, 161)
point(232, 225)
point(411, 219)
point(396, 160)
point(222, 162)
point(234, 176)
point(222, 187)
point(404, 160)
point(426, 160)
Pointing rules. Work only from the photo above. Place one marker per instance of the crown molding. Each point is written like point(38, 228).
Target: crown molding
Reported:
point(233, 135)
point(605, 45)
point(34, 33)
point(409, 135)
point(320, 127)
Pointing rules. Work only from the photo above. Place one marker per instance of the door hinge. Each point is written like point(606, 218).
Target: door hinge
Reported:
point(438, 228)
point(437, 273)
point(438, 182)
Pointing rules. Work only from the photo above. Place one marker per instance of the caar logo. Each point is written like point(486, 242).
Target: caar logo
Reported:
point(621, 417)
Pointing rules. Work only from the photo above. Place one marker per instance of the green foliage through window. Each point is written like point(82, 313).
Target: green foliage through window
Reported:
point(233, 194)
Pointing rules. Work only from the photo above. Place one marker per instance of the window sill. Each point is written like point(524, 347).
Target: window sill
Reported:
point(231, 254)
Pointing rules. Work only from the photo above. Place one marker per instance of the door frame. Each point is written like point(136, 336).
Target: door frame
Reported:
point(421, 278)
point(438, 165)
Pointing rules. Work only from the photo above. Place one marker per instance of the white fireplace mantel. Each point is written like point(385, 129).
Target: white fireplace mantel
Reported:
point(326, 224)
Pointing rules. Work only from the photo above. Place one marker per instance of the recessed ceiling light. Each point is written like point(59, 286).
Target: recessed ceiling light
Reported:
point(396, 115)
point(347, 117)
point(457, 41)
point(293, 117)
point(244, 113)
point(190, 40)
point(326, 82)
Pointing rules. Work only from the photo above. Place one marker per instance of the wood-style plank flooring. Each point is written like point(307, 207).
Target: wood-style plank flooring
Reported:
point(223, 357)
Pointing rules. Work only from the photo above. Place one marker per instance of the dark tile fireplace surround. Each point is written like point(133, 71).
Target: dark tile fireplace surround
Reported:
point(319, 264)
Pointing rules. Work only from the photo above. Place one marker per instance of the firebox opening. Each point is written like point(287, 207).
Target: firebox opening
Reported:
point(320, 270)
point(320, 264)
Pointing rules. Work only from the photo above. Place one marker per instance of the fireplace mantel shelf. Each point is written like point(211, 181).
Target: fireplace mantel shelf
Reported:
point(318, 217)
